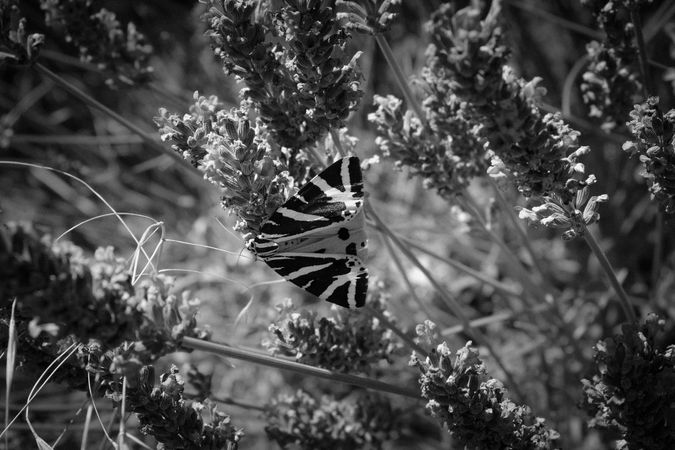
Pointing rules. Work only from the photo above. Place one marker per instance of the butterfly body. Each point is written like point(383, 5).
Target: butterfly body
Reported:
point(317, 238)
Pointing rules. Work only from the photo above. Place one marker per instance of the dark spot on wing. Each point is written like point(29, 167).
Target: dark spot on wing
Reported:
point(321, 250)
point(351, 249)
point(343, 233)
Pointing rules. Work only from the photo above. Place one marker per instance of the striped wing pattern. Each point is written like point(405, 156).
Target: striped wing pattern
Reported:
point(317, 238)
point(339, 279)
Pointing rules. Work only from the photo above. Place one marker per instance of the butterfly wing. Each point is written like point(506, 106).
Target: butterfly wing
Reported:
point(329, 199)
point(336, 278)
point(317, 238)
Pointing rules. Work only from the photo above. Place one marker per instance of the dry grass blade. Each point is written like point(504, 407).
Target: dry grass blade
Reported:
point(9, 367)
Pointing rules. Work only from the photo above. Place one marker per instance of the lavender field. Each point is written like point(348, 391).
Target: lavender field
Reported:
point(337, 224)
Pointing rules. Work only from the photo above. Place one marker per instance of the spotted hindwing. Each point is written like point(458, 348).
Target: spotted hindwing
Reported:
point(317, 238)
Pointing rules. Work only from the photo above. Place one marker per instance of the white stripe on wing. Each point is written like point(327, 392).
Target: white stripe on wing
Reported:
point(305, 270)
point(297, 215)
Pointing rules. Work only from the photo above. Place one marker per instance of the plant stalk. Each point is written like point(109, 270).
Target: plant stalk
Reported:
point(611, 275)
point(257, 358)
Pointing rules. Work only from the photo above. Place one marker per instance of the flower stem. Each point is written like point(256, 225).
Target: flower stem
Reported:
point(451, 303)
point(609, 271)
point(400, 78)
point(404, 276)
point(405, 338)
point(147, 137)
point(658, 248)
point(524, 275)
point(232, 352)
point(508, 210)
point(496, 285)
point(642, 54)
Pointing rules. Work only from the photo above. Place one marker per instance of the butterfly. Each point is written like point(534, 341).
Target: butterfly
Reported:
point(317, 238)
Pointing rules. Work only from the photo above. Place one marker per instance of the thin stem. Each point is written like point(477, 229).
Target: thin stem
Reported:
point(404, 337)
point(611, 275)
point(123, 139)
point(335, 136)
point(400, 78)
point(496, 285)
point(451, 303)
point(658, 248)
point(517, 225)
point(491, 319)
point(570, 84)
point(642, 53)
point(516, 264)
point(232, 402)
point(147, 137)
point(551, 315)
point(270, 361)
point(564, 23)
point(153, 86)
point(447, 298)
point(658, 19)
point(404, 275)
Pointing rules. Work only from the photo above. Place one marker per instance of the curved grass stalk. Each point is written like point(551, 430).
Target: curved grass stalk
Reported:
point(42, 381)
point(570, 84)
point(86, 185)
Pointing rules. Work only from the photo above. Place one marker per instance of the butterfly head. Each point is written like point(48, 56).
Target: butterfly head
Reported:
point(261, 246)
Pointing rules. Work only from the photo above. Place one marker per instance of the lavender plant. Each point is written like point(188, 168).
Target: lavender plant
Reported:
point(163, 413)
point(293, 62)
point(611, 85)
point(474, 407)
point(123, 55)
point(539, 151)
point(301, 421)
point(17, 45)
point(470, 114)
point(652, 132)
point(64, 298)
point(346, 342)
point(631, 392)
point(446, 155)
point(225, 147)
